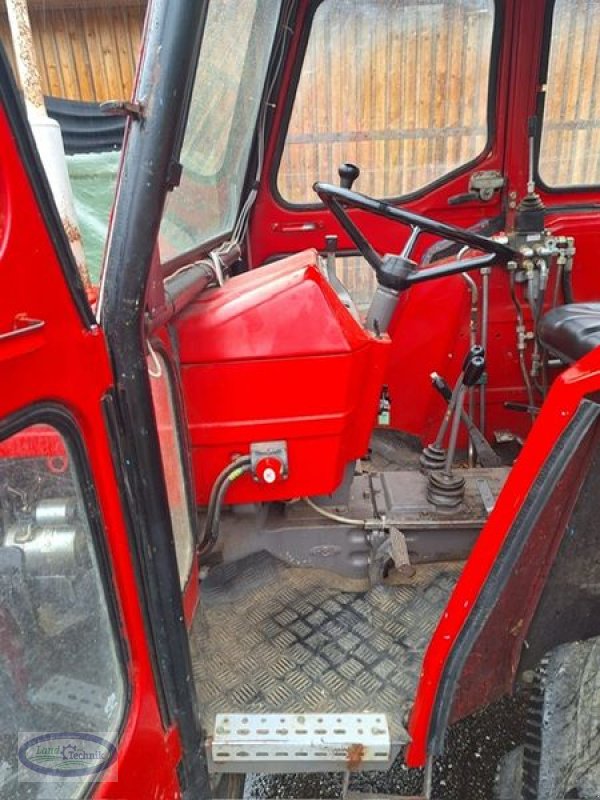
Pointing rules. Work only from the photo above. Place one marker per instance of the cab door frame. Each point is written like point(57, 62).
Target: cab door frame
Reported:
point(99, 374)
point(149, 169)
point(55, 368)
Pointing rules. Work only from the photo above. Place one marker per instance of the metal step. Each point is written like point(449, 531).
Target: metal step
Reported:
point(280, 743)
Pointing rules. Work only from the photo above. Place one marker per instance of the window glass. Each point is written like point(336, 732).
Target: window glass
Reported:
point(225, 102)
point(570, 142)
point(358, 278)
point(171, 455)
point(398, 87)
point(62, 687)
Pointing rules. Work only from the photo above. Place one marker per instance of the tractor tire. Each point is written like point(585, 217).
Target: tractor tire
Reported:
point(230, 786)
point(561, 755)
point(509, 777)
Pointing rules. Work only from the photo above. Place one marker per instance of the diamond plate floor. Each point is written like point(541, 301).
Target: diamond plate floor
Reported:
point(275, 639)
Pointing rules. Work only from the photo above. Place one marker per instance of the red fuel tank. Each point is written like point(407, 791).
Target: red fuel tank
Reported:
point(274, 355)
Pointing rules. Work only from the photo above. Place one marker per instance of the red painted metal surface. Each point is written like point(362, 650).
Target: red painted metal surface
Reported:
point(563, 400)
point(274, 355)
point(64, 363)
point(430, 332)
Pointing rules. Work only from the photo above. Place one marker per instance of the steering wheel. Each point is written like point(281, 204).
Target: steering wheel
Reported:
point(398, 271)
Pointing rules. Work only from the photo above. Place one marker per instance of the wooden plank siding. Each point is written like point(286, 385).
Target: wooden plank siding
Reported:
point(85, 52)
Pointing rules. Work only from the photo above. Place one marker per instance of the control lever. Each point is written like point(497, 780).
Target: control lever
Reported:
point(444, 487)
point(485, 453)
point(434, 455)
point(348, 173)
point(331, 243)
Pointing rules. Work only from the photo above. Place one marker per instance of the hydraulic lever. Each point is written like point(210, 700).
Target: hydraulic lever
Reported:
point(486, 455)
point(433, 456)
point(444, 487)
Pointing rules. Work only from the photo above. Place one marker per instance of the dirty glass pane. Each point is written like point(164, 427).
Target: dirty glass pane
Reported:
point(62, 690)
point(358, 278)
point(399, 88)
point(227, 92)
point(570, 143)
point(93, 178)
point(171, 454)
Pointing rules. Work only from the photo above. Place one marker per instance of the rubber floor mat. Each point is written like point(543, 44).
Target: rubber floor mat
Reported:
point(269, 638)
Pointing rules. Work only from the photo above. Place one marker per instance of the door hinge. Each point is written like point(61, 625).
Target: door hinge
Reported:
point(123, 108)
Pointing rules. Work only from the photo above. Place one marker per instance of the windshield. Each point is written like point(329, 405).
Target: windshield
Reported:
point(225, 102)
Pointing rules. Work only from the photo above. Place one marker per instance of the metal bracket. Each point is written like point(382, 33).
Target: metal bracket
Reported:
point(123, 108)
point(485, 183)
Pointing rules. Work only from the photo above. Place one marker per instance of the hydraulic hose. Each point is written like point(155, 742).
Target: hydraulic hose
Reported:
point(230, 474)
point(567, 286)
point(521, 347)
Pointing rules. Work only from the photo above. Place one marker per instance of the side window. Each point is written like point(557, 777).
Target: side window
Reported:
point(62, 685)
point(171, 451)
point(400, 88)
point(223, 112)
point(570, 141)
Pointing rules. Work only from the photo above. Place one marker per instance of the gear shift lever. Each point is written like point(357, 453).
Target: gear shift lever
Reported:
point(348, 174)
point(434, 454)
point(444, 487)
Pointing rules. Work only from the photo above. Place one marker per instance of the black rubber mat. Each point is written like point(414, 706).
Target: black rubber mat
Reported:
point(269, 638)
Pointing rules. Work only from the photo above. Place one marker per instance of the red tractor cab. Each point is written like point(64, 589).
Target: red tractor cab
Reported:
point(311, 489)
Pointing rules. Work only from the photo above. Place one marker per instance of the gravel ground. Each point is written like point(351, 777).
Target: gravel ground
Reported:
point(466, 771)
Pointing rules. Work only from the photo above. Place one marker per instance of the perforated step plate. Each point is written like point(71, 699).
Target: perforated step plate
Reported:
point(300, 742)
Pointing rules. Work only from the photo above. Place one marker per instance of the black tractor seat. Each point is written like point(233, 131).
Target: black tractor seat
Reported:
point(571, 331)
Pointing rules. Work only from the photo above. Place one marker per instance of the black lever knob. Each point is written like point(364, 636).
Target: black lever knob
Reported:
point(348, 174)
point(474, 370)
point(442, 387)
point(476, 351)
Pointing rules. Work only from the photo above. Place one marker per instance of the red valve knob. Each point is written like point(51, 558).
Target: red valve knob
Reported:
point(268, 470)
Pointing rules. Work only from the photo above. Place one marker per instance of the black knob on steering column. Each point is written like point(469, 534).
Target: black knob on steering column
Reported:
point(348, 174)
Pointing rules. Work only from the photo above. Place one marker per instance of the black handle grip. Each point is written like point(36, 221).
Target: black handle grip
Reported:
point(474, 370)
point(331, 243)
point(348, 173)
point(467, 197)
point(476, 351)
point(442, 387)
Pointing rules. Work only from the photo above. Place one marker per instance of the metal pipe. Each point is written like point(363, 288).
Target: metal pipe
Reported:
point(439, 439)
point(454, 430)
point(521, 341)
point(485, 313)
point(472, 342)
point(46, 132)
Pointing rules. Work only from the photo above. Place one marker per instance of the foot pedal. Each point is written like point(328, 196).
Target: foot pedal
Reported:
point(301, 743)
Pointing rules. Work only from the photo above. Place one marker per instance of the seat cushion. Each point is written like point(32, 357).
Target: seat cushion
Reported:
point(571, 331)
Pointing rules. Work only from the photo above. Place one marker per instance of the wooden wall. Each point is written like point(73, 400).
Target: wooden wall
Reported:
point(570, 151)
point(399, 88)
point(404, 97)
point(86, 50)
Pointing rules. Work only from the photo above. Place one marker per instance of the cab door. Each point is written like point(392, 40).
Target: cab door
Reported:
point(86, 676)
point(415, 94)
